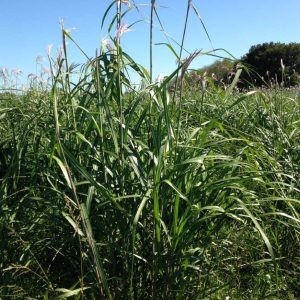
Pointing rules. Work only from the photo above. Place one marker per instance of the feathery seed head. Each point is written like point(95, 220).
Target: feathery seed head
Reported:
point(159, 78)
point(16, 72)
point(48, 49)
point(123, 29)
point(60, 53)
point(106, 43)
point(69, 30)
point(214, 77)
point(126, 2)
point(39, 59)
point(31, 76)
point(282, 65)
point(45, 71)
point(4, 72)
point(203, 84)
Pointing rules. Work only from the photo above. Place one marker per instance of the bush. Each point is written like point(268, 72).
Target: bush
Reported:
point(273, 64)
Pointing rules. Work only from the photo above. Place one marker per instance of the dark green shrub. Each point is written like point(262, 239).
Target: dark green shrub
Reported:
point(275, 64)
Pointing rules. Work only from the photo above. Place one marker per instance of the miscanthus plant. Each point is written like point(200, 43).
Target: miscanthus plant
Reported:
point(113, 192)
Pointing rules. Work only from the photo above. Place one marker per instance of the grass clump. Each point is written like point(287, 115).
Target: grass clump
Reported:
point(119, 193)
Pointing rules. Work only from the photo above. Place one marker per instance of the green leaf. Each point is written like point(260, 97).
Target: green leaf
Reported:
point(65, 293)
point(63, 169)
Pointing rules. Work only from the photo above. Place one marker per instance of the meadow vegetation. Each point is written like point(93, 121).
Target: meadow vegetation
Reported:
point(108, 191)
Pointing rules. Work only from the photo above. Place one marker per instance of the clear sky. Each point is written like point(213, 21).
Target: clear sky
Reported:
point(28, 26)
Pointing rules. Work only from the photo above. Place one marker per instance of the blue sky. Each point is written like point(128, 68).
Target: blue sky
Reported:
point(27, 27)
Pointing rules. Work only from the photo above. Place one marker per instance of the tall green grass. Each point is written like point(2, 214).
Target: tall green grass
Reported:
point(113, 192)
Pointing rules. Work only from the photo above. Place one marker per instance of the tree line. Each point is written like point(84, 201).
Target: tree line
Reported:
point(268, 64)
